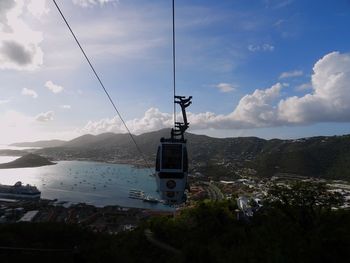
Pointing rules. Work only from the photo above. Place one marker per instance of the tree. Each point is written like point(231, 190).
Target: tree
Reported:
point(303, 202)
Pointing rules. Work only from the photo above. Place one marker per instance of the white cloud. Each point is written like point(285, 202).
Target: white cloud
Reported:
point(253, 48)
point(66, 107)
point(254, 110)
point(45, 116)
point(153, 119)
point(328, 102)
point(225, 87)
point(29, 92)
point(4, 101)
point(257, 109)
point(304, 86)
point(291, 74)
point(37, 8)
point(19, 44)
point(263, 47)
point(91, 3)
point(329, 99)
point(53, 87)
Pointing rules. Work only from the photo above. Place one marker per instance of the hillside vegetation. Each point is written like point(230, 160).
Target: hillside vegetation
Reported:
point(28, 160)
point(324, 157)
point(291, 227)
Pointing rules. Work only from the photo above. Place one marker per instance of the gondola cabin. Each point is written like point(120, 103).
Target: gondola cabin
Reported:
point(171, 170)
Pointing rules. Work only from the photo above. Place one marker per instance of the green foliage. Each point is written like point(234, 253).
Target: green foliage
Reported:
point(28, 160)
point(82, 245)
point(326, 157)
point(309, 195)
point(296, 224)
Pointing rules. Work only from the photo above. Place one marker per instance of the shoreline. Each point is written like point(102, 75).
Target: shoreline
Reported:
point(19, 167)
point(67, 204)
point(131, 162)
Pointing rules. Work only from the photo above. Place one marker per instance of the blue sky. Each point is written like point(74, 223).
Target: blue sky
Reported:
point(266, 68)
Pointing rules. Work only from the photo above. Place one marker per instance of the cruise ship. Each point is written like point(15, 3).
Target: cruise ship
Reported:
point(19, 191)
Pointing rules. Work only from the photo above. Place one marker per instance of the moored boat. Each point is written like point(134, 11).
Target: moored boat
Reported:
point(19, 191)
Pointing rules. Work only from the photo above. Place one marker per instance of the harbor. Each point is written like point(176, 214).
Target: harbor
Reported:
point(93, 183)
point(139, 194)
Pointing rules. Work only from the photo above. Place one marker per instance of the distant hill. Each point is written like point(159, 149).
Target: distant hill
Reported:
point(7, 152)
point(29, 160)
point(42, 144)
point(326, 156)
point(97, 141)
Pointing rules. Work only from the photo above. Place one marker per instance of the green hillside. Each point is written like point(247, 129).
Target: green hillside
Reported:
point(305, 229)
point(28, 160)
point(326, 157)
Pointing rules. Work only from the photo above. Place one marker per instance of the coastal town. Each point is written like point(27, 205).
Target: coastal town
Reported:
point(246, 191)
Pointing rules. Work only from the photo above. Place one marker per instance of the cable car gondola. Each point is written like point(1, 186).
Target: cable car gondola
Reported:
point(172, 162)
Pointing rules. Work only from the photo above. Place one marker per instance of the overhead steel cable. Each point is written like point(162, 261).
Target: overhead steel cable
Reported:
point(103, 87)
point(174, 64)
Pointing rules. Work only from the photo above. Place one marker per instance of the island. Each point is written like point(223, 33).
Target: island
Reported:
point(28, 160)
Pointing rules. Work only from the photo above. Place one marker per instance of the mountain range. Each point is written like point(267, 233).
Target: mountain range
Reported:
point(42, 144)
point(323, 156)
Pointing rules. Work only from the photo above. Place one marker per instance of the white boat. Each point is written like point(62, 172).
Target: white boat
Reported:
point(150, 199)
point(19, 191)
point(136, 194)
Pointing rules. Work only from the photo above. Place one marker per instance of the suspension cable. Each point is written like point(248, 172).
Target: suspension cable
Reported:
point(103, 87)
point(174, 63)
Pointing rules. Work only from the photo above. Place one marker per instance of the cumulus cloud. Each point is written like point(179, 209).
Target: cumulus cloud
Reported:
point(225, 87)
point(37, 8)
point(327, 102)
point(45, 116)
point(329, 99)
point(53, 87)
point(29, 92)
point(153, 119)
point(91, 3)
point(66, 107)
point(16, 52)
point(5, 6)
point(19, 44)
point(257, 109)
point(263, 47)
point(253, 110)
point(291, 74)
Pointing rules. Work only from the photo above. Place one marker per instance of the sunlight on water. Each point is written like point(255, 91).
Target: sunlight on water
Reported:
point(6, 159)
point(90, 182)
point(7, 147)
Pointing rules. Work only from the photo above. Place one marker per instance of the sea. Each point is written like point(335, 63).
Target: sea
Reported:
point(95, 183)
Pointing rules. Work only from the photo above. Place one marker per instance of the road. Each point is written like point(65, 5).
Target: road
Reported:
point(214, 192)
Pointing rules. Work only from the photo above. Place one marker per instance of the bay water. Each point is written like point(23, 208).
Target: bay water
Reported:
point(94, 183)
